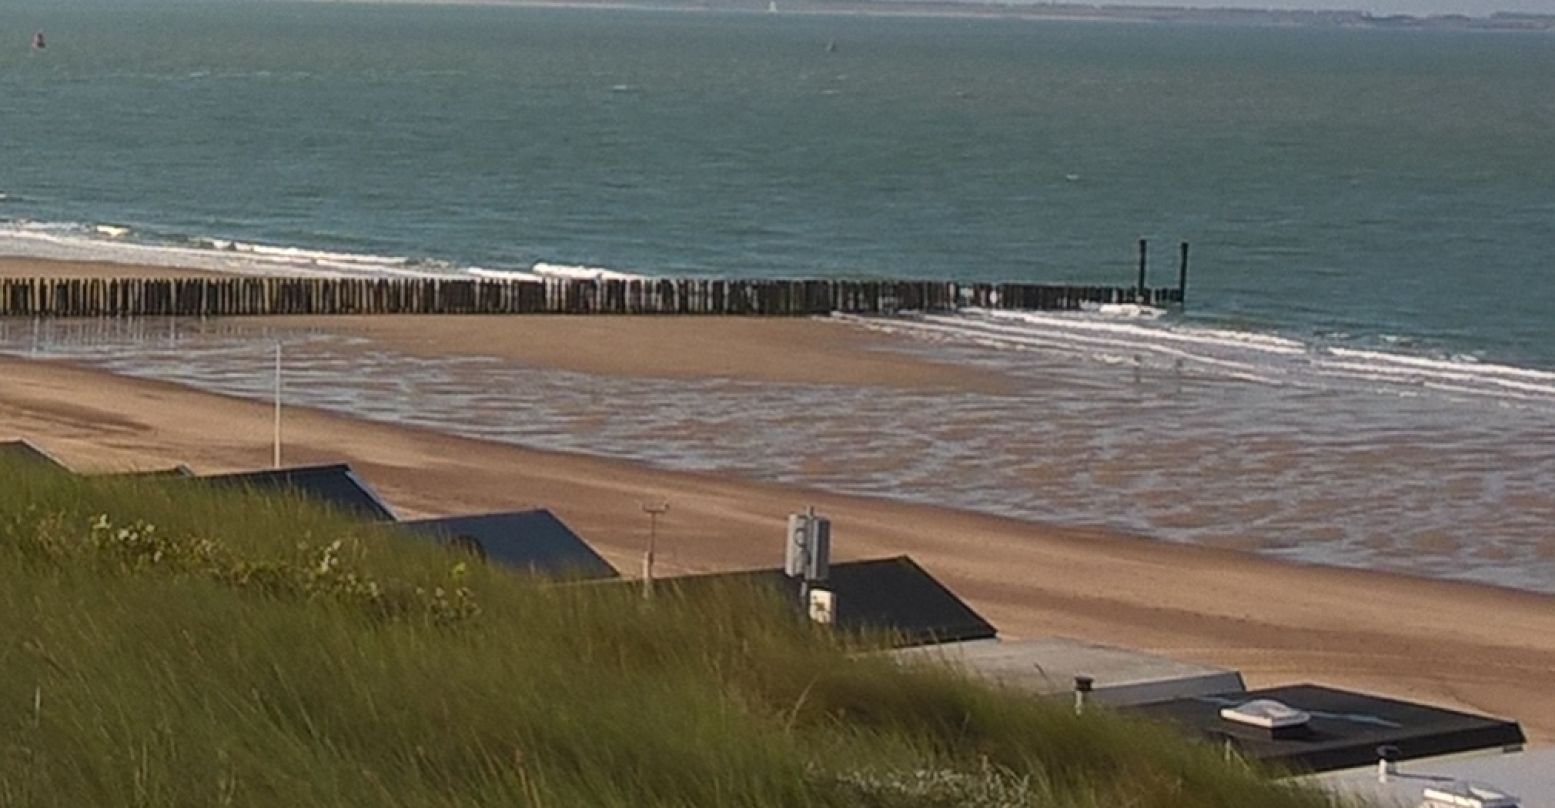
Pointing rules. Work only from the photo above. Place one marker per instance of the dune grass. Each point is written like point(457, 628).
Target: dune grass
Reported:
point(165, 644)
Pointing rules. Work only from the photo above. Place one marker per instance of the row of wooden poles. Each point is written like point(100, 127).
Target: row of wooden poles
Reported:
point(245, 296)
point(212, 297)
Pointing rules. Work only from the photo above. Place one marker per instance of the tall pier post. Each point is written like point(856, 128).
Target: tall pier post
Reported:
point(1182, 277)
point(1144, 246)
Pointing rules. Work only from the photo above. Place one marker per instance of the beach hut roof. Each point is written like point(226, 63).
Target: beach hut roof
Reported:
point(25, 451)
point(335, 486)
point(1528, 775)
point(534, 541)
point(891, 595)
point(1049, 666)
point(1344, 729)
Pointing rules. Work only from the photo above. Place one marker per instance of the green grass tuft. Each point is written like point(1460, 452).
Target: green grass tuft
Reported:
point(168, 644)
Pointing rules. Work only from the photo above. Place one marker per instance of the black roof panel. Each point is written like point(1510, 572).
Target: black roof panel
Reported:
point(535, 541)
point(893, 595)
point(1345, 731)
point(336, 486)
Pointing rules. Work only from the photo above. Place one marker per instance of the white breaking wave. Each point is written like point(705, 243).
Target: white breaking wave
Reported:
point(572, 272)
point(1136, 332)
point(1454, 372)
point(300, 255)
point(503, 274)
point(1243, 355)
point(114, 243)
point(543, 271)
point(1132, 311)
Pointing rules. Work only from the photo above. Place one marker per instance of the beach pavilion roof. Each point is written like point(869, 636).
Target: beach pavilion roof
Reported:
point(1049, 666)
point(25, 451)
point(533, 541)
point(890, 595)
point(335, 486)
point(1344, 729)
point(1529, 776)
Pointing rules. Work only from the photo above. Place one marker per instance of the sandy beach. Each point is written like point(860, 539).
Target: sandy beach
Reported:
point(1476, 647)
point(789, 350)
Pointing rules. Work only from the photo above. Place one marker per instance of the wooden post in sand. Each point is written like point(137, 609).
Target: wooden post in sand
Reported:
point(277, 454)
point(277, 442)
point(1139, 294)
point(1182, 277)
point(654, 511)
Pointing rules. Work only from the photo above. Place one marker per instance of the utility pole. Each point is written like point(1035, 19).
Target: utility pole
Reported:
point(654, 512)
point(277, 456)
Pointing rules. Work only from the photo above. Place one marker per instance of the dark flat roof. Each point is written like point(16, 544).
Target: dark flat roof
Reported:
point(1345, 730)
point(335, 486)
point(535, 541)
point(891, 595)
point(26, 452)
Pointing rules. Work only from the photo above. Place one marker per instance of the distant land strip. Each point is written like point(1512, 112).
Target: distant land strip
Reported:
point(1072, 12)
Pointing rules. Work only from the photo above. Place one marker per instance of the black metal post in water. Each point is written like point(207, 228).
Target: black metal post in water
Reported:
point(1182, 277)
point(1140, 293)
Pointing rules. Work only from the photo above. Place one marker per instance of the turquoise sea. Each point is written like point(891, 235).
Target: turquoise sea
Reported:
point(1374, 189)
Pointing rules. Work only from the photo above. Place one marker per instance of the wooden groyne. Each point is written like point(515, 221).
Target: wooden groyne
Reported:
point(245, 296)
point(257, 296)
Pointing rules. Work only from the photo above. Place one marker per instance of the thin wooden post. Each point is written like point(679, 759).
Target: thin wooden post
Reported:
point(1144, 246)
point(1182, 277)
point(276, 459)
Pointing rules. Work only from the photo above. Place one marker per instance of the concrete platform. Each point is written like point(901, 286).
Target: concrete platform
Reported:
point(1529, 776)
point(1049, 665)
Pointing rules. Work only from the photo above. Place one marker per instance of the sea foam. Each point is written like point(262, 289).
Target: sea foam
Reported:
point(572, 272)
point(1244, 355)
point(117, 243)
point(123, 244)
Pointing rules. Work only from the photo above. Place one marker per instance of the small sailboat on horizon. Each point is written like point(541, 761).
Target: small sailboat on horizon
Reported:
point(772, 7)
point(38, 43)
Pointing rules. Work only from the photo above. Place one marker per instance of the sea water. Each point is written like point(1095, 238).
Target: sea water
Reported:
point(1365, 373)
point(1390, 189)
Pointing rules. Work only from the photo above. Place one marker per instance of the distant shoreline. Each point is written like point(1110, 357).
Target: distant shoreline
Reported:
point(1502, 22)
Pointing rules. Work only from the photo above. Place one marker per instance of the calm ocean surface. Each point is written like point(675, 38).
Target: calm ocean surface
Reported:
point(1388, 189)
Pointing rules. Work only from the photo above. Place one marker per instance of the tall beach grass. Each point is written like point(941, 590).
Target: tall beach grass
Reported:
point(169, 644)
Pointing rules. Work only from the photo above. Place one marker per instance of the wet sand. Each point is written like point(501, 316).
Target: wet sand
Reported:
point(1464, 645)
point(750, 349)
